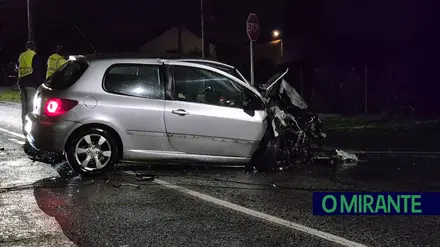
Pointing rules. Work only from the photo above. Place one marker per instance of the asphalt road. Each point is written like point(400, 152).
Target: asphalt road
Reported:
point(45, 204)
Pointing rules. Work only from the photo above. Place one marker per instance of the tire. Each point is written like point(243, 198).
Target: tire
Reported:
point(93, 148)
point(272, 154)
point(266, 156)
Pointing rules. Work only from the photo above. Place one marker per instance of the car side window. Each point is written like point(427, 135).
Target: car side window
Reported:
point(134, 80)
point(206, 87)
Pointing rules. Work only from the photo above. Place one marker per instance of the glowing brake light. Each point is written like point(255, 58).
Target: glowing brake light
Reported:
point(56, 107)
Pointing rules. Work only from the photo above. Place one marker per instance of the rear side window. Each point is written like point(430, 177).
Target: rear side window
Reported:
point(134, 80)
point(67, 75)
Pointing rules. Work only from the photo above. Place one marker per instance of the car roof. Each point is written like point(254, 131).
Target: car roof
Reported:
point(140, 56)
point(206, 61)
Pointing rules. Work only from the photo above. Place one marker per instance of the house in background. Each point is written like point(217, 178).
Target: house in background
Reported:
point(177, 40)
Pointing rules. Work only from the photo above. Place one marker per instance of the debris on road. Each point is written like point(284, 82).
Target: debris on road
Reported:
point(2, 149)
point(146, 178)
point(119, 184)
point(129, 184)
point(344, 156)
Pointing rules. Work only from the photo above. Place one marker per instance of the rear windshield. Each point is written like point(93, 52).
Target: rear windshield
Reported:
point(67, 75)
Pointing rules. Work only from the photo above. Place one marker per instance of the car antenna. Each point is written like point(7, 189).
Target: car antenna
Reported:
point(91, 45)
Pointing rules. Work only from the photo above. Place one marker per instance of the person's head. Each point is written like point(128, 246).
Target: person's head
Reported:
point(30, 45)
point(59, 49)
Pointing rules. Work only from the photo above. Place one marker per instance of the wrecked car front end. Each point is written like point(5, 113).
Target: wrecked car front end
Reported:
point(294, 136)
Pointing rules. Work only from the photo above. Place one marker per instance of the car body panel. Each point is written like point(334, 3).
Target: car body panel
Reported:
point(170, 156)
point(210, 129)
point(213, 130)
point(138, 121)
point(47, 135)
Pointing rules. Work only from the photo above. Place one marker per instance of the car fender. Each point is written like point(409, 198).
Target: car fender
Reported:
point(116, 126)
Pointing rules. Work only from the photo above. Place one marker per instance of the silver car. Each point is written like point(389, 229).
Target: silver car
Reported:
point(100, 110)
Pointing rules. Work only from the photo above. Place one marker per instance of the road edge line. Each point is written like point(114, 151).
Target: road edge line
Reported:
point(390, 152)
point(16, 141)
point(12, 133)
point(10, 103)
point(257, 214)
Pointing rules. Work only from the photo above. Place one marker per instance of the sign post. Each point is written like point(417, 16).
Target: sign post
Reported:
point(253, 31)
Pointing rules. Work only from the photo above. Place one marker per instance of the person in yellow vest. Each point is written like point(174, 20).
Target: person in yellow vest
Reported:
point(30, 77)
point(55, 61)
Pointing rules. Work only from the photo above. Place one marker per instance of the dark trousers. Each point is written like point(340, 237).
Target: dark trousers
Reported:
point(27, 102)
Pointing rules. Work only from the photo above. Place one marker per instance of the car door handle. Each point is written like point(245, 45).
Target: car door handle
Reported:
point(180, 112)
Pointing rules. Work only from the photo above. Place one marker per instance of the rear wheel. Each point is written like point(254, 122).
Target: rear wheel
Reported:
point(92, 151)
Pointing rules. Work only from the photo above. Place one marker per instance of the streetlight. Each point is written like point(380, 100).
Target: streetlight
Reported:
point(276, 35)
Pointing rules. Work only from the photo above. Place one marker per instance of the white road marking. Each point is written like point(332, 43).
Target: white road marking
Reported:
point(395, 152)
point(16, 141)
point(12, 133)
point(401, 153)
point(257, 214)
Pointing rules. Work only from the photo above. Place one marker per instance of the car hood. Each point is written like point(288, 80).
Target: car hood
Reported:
point(277, 86)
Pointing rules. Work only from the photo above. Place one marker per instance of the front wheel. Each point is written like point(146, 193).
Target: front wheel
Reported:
point(92, 151)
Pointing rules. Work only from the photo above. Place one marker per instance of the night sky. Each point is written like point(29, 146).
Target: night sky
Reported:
point(123, 25)
point(357, 29)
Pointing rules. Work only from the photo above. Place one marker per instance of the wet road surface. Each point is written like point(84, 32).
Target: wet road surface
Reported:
point(45, 204)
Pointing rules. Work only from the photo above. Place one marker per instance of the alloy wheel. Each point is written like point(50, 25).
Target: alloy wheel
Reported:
point(93, 152)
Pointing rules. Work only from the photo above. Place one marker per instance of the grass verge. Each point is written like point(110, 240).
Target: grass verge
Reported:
point(10, 95)
point(383, 134)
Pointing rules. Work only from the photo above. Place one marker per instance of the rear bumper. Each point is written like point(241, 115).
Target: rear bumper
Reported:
point(48, 135)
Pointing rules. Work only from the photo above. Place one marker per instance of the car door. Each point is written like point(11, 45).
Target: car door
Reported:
point(206, 114)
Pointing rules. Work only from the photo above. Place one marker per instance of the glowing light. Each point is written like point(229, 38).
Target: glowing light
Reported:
point(138, 90)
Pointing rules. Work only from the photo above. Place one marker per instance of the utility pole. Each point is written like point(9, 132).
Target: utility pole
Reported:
point(29, 20)
point(203, 28)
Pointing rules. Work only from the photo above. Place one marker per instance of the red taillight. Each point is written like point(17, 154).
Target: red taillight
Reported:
point(56, 107)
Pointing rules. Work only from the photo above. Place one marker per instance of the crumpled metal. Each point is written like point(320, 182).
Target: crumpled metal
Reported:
point(294, 96)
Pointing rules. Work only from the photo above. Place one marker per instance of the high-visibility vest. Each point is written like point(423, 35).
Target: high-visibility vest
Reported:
point(54, 62)
point(25, 63)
